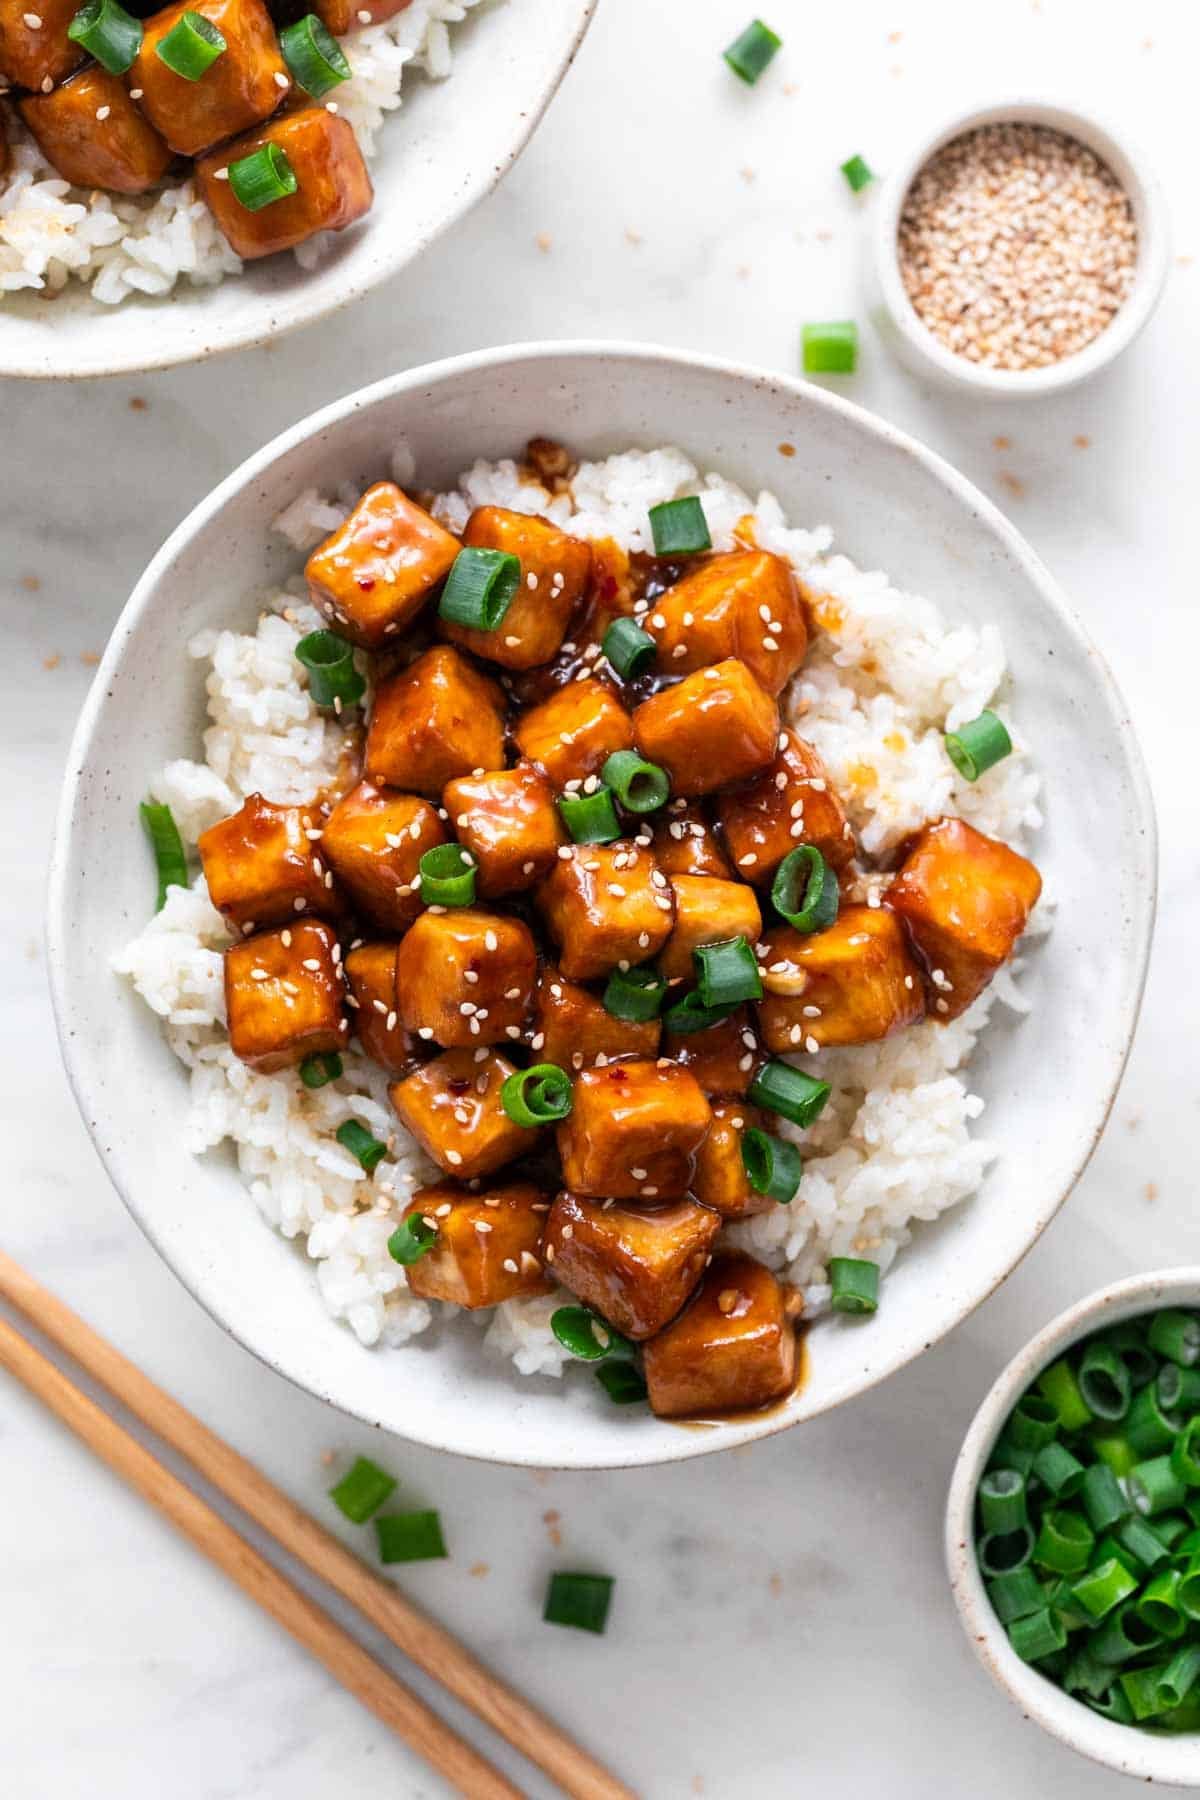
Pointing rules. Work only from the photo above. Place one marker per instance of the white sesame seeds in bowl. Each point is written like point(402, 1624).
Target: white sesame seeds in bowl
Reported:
point(1017, 249)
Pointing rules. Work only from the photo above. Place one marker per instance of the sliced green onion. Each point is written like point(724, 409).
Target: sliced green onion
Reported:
point(1064, 1543)
point(410, 1537)
point(578, 1330)
point(447, 876)
point(313, 55)
point(1185, 1453)
point(1188, 1591)
point(1176, 1335)
point(855, 1285)
point(831, 348)
point(1037, 1636)
point(1034, 1422)
point(727, 973)
point(1007, 1455)
point(1058, 1470)
point(635, 994)
point(1178, 1389)
point(1122, 1636)
point(779, 1088)
point(191, 47)
point(1015, 1595)
point(579, 1600)
point(1154, 1487)
point(108, 33)
point(358, 1141)
point(1158, 1605)
point(1105, 1382)
point(1087, 1675)
point(1129, 1342)
point(590, 818)
point(751, 51)
point(537, 1096)
point(628, 648)
point(1171, 1529)
point(1104, 1587)
point(1002, 1500)
point(329, 659)
point(165, 841)
point(640, 786)
point(317, 1071)
point(978, 745)
point(1103, 1499)
point(480, 588)
point(1110, 1549)
point(1141, 1689)
point(1179, 1677)
point(1111, 1704)
point(1006, 1554)
point(362, 1490)
point(411, 1240)
point(1148, 1426)
point(858, 173)
point(1061, 1389)
point(691, 1014)
point(1143, 1543)
point(805, 890)
point(263, 177)
point(679, 527)
point(1115, 1450)
point(622, 1382)
point(773, 1166)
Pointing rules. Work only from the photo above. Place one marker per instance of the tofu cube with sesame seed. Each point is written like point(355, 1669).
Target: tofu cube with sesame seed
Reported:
point(635, 1266)
point(723, 1057)
point(432, 722)
point(965, 899)
point(94, 135)
point(489, 1244)
point(575, 1028)
point(509, 822)
point(262, 867)
point(745, 603)
point(605, 904)
point(554, 574)
point(633, 1131)
point(464, 978)
point(707, 911)
point(380, 568)
point(571, 734)
point(452, 1107)
point(374, 1015)
point(720, 1180)
point(855, 983)
point(373, 840)
point(237, 90)
point(712, 729)
point(333, 189)
point(684, 843)
point(733, 1347)
point(34, 46)
point(792, 802)
point(284, 996)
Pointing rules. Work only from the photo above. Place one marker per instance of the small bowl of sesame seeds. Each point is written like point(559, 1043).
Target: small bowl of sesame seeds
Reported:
point(1018, 249)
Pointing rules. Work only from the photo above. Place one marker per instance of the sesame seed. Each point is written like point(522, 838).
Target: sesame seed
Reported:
point(726, 1300)
point(482, 1225)
point(379, 1005)
point(102, 112)
point(390, 1021)
point(811, 1045)
point(136, 94)
point(285, 938)
point(744, 862)
point(746, 1062)
point(679, 650)
point(310, 962)
point(511, 1266)
point(648, 1193)
point(470, 975)
point(454, 1156)
point(769, 643)
point(34, 21)
point(258, 975)
point(568, 1231)
point(638, 1174)
point(425, 1031)
point(549, 1251)
point(281, 80)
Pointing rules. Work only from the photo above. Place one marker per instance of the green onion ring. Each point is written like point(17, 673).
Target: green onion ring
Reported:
point(779, 1088)
point(752, 50)
point(578, 1600)
point(727, 973)
point(590, 818)
point(409, 1537)
point(447, 876)
point(805, 890)
point(263, 177)
point(579, 1330)
point(319, 1070)
point(679, 527)
point(359, 1142)
point(640, 786)
point(411, 1240)
point(480, 588)
point(628, 648)
point(362, 1490)
point(623, 1382)
point(635, 994)
point(191, 47)
point(313, 55)
point(855, 1284)
point(540, 1095)
point(859, 174)
point(830, 348)
point(773, 1166)
point(169, 858)
point(978, 745)
point(691, 1014)
point(108, 33)
point(333, 679)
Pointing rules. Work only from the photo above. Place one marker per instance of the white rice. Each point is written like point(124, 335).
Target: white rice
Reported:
point(52, 233)
point(881, 682)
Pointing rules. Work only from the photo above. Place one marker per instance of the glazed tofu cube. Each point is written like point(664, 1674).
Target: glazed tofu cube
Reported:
point(572, 734)
point(720, 1180)
point(965, 899)
point(715, 728)
point(734, 1346)
point(376, 572)
point(855, 983)
point(33, 54)
point(554, 573)
point(707, 911)
point(489, 1244)
point(434, 721)
point(635, 1266)
point(342, 16)
point(333, 188)
point(573, 1029)
point(744, 604)
point(374, 1015)
point(792, 803)
point(373, 841)
point(235, 91)
point(94, 134)
point(284, 996)
point(452, 1107)
point(509, 823)
point(606, 904)
point(465, 977)
point(723, 1057)
point(633, 1131)
point(686, 844)
point(262, 868)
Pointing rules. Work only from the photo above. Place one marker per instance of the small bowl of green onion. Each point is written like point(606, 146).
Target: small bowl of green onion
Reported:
point(1073, 1528)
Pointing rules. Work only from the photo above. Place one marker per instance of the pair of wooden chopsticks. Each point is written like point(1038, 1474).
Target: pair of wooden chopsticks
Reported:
point(426, 1643)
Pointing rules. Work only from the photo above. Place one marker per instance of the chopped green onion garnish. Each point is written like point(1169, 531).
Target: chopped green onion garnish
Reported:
point(635, 994)
point(263, 177)
point(447, 876)
point(108, 33)
point(578, 1330)
point(410, 1537)
point(805, 890)
point(858, 173)
point(773, 1166)
point(313, 55)
point(317, 1071)
point(1064, 1543)
point(1005, 1554)
point(578, 1600)
point(358, 1141)
point(362, 1490)
point(727, 973)
point(1129, 1342)
point(628, 648)
point(691, 1014)
point(1178, 1388)
point(1037, 1636)
point(1102, 1497)
point(1176, 1335)
point(749, 54)
point(167, 845)
point(480, 588)
point(1141, 1542)
point(333, 679)
point(1179, 1677)
point(1122, 1636)
point(640, 786)
point(191, 47)
point(622, 1382)
point(1058, 1471)
point(537, 1096)
point(1154, 1487)
point(831, 348)
point(679, 527)
point(1104, 1587)
point(412, 1238)
point(1033, 1423)
point(590, 818)
point(1141, 1689)
point(1061, 1389)
point(978, 745)
point(1185, 1453)
point(1157, 1606)
point(1002, 1500)
point(779, 1088)
point(1016, 1595)
point(1104, 1381)
point(855, 1284)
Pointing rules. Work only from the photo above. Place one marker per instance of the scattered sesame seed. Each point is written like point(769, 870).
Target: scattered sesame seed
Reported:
point(281, 80)
point(102, 112)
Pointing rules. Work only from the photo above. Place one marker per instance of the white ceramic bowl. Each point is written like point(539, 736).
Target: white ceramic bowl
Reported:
point(892, 504)
point(448, 146)
point(1147, 1755)
point(896, 315)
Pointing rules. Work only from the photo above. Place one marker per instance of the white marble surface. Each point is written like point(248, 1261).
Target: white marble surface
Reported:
point(781, 1613)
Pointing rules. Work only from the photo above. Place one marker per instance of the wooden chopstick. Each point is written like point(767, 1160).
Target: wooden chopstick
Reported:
point(428, 1644)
